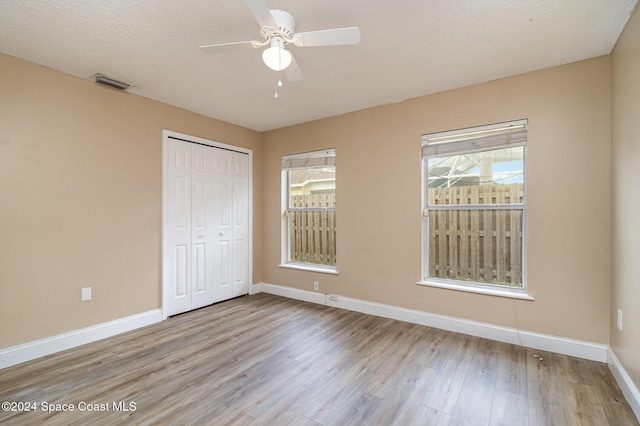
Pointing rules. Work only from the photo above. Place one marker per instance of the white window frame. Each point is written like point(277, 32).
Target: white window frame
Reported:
point(304, 160)
point(471, 140)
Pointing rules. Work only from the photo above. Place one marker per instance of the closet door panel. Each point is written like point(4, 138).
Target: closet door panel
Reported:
point(202, 230)
point(223, 279)
point(178, 233)
point(240, 230)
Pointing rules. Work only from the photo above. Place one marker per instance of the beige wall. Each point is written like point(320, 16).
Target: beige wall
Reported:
point(80, 199)
point(625, 202)
point(379, 230)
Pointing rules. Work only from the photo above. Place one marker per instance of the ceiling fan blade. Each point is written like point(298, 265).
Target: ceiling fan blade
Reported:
point(223, 47)
point(293, 72)
point(334, 37)
point(261, 11)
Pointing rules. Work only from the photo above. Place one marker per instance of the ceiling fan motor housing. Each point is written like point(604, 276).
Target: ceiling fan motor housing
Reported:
point(286, 25)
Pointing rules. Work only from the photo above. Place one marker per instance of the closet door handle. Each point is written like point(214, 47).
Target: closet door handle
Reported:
point(201, 236)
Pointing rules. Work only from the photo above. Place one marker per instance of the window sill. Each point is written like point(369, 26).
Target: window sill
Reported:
point(500, 292)
point(310, 268)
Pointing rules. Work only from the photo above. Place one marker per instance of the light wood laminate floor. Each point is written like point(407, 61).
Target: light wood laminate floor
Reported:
point(268, 360)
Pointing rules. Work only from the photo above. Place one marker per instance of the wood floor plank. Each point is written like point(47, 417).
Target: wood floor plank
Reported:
point(385, 382)
point(402, 403)
point(360, 408)
point(434, 350)
point(268, 360)
point(446, 386)
point(509, 409)
point(476, 395)
point(429, 416)
point(512, 368)
point(590, 411)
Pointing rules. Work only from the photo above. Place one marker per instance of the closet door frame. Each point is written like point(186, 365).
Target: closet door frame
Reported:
point(166, 135)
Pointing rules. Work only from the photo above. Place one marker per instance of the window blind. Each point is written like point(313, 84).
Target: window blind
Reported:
point(477, 139)
point(325, 157)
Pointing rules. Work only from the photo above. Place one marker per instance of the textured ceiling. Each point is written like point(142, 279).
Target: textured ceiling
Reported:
point(408, 48)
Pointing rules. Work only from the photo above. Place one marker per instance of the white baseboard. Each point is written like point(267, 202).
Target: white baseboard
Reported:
point(627, 386)
point(561, 345)
point(49, 345)
point(255, 288)
point(294, 293)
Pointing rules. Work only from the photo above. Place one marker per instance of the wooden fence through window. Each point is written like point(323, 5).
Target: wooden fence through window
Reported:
point(313, 233)
point(476, 245)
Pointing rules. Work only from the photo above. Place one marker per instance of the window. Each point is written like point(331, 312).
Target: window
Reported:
point(474, 207)
point(309, 210)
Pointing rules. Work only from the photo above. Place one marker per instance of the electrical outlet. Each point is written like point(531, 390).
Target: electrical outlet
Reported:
point(316, 286)
point(86, 294)
point(620, 319)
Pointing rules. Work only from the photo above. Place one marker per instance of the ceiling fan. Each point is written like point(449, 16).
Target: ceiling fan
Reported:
point(277, 30)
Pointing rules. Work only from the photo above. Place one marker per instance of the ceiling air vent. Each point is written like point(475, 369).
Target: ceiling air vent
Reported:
point(111, 82)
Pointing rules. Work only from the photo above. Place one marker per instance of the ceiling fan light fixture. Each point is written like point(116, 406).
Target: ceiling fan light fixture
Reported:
point(277, 28)
point(277, 57)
